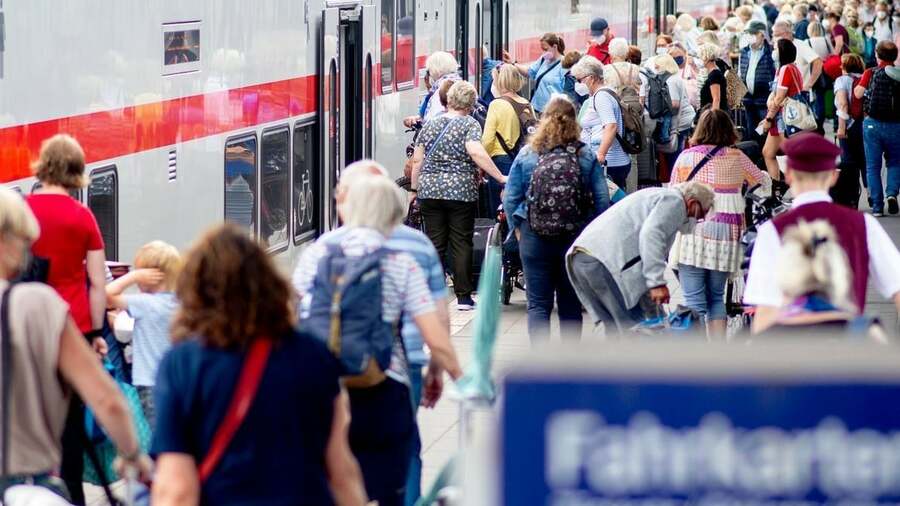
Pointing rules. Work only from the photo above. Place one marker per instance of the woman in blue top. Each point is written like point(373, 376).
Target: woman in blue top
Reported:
point(543, 257)
point(292, 447)
point(547, 72)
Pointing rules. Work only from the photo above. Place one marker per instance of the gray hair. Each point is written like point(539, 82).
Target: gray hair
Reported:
point(708, 52)
point(374, 202)
point(618, 48)
point(698, 191)
point(588, 66)
point(461, 96)
point(784, 25)
point(359, 170)
point(440, 64)
point(16, 218)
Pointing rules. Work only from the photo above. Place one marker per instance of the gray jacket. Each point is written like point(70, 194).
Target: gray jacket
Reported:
point(632, 239)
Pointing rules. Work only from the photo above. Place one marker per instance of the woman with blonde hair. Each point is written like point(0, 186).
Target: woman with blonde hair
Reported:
point(235, 322)
point(47, 363)
point(583, 195)
point(508, 113)
point(683, 116)
point(72, 245)
point(814, 274)
point(714, 93)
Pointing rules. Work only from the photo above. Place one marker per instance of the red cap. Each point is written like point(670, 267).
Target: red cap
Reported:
point(810, 152)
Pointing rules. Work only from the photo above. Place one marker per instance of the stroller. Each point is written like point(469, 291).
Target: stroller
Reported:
point(511, 262)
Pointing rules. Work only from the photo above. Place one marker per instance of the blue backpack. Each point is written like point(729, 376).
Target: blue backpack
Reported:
point(346, 314)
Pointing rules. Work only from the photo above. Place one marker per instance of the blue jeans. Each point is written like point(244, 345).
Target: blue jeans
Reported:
point(880, 140)
point(544, 263)
point(414, 479)
point(619, 174)
point(503, 163)
point(704, 290)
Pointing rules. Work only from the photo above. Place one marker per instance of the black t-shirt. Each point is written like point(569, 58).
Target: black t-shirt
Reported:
point(277, 455)
point(716, 76)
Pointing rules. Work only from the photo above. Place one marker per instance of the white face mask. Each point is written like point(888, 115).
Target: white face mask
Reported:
point(600, 40)
point(582, 89)
point(547, 56)
point(870, 33)
point(662, 50)
point(826, 24)
point(881, 14)
point(495, 91)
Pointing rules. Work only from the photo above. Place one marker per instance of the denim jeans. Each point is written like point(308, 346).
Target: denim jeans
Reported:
point(619, 174)
point(818, 108)
point(755, 112)
point(704, 290)
point(544, 263)
point(503, 163)
point(414, 477)
point(880, 140)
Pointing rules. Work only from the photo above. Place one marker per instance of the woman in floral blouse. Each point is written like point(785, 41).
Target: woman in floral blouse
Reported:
point(707, 256)
point(445, 178)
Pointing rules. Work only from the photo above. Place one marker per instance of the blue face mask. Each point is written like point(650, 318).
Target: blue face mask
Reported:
point(679, 60)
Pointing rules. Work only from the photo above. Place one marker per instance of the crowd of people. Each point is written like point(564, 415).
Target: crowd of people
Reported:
point(337, 360)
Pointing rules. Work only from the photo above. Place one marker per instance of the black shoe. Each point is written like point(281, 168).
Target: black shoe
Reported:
point(893, 208)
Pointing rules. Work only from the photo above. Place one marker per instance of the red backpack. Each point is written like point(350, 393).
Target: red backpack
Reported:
point(856, 104)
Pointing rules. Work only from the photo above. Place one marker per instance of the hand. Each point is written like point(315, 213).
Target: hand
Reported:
point(660, 294)
point(412, 197)
point(503, 179)
point(432, 387)
point(99, 346)
point(507, 58)
point(601, 158)
point(410, 121)
point(142, 465)
point(149, 276)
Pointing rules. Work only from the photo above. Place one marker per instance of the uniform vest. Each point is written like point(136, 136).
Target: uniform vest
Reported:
point(850, 227)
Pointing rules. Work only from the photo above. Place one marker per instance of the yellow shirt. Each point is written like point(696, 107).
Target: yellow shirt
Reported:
point(502, 119)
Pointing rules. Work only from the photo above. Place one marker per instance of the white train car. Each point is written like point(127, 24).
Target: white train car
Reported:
point(194, 112)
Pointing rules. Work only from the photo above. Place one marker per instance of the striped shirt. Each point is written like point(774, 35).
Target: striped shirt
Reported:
point(404, 288)
point(598, 112)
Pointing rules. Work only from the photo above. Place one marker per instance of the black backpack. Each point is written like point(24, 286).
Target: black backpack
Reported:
point(559, 202)
point(659, 101)
point(883, 97)
point(528, 124)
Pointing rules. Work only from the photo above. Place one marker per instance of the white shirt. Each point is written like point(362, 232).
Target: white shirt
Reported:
point(755, 56)
point(883, 29)
point(762, 283)
point(805, 56)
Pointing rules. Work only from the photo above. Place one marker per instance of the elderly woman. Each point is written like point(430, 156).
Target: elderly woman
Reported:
point(48, 360)
point(683, 117)
point(686, 32)
point(849, 133)
point(502, 137)
point(439, 67)
point(236, 311)
point(382, 429)
point(601, 119)
point(708, 256)
point(71, 242)
point(547, 72)
point(445, 178)
point(622, 73)
point(688, 73)
point(543, 257)
point(714, 93)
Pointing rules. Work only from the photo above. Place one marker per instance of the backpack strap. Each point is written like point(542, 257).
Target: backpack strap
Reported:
point(540, 78)
point(518, 110)
point(244, 393)
point(6, 350)
point(709, 156)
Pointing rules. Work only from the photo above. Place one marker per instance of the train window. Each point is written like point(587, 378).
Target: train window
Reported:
point(387, 45)
point(181, 47)
point(306, 183)
point(240, 182)
point(405, 62)
point(103, 200)
point(274, 207)
point(75, 193)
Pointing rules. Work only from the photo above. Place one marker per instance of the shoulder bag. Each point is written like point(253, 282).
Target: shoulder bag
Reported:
point(437, 139)
point(709, 156)
point(241, 400)
point(797, 114)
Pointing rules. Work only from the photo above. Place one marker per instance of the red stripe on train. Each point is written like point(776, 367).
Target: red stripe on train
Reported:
point(119, 132)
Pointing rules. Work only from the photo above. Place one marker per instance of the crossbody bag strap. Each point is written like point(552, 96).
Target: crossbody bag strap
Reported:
point(244, 394)
point(540, 78)
point(709, 156)
point(438, 138)
point(6, 350)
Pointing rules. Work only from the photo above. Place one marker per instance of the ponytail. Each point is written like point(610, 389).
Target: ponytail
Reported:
point(556, 40)
point(812, 262)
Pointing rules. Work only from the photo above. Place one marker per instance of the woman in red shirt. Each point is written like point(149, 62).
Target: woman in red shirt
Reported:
point(788, 83)
point(70, 239)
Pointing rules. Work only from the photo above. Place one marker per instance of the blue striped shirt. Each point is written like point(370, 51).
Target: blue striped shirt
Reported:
point(599, 111)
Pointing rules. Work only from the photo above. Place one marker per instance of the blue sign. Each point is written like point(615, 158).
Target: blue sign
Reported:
point(604, 441)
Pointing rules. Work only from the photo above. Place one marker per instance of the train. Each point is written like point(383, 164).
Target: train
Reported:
point(195, 112)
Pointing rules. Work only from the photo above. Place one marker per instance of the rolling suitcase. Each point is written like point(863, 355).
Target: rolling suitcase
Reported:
point(483, 228)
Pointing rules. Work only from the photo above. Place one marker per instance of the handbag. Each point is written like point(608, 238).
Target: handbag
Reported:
point(798, 115)
point(241, 400)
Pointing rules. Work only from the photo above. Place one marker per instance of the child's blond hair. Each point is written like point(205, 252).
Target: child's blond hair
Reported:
point(163, 256)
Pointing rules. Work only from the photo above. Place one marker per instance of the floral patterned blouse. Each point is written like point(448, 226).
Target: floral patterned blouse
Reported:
point(448, 172)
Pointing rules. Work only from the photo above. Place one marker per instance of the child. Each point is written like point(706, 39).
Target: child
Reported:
point(156, 268)
point(869, 44)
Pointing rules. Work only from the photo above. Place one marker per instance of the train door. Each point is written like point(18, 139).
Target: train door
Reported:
point(644, 26)
point(348, 47)
point(462, 37)
point(497, 19)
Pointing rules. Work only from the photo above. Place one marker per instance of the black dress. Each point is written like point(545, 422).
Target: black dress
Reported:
point(715, 76)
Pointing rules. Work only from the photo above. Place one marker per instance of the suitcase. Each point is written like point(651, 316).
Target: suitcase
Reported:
point(483, 228)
